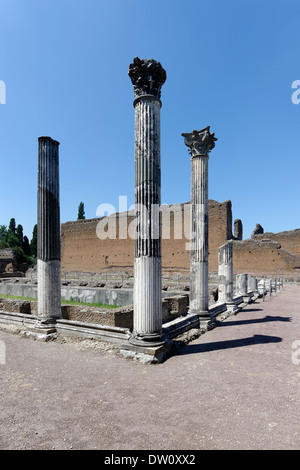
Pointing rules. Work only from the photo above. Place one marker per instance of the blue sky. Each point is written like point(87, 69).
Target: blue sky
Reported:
point(230, 65)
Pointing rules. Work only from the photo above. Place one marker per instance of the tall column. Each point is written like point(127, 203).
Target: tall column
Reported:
point(48, 233)
point(147, 77)
point(225, 274)
point(200, 144)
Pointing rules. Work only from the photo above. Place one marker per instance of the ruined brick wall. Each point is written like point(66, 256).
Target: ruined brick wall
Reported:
point(8, 261)
point(289, 240)
point(82, 250)
point(263, 257)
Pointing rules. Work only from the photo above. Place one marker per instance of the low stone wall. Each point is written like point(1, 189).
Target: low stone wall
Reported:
point(92, 295)
point(172, 307)
point(17, 306)
point(13, 275)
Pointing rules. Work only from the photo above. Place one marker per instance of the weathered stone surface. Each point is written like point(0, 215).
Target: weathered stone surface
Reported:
point(8, 261)
point(258, 230)
point(200, 143)
point(147, 76)
point(242, 284)
point(238, 229)
point(225, 273)
point(14, 305)
point(48, 231)
point(289, 240)
point(263, 257)
point(82, 250)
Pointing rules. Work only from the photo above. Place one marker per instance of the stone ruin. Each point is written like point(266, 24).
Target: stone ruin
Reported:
point(153, 324)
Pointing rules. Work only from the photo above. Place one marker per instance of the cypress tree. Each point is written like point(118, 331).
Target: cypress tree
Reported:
point(81, 212)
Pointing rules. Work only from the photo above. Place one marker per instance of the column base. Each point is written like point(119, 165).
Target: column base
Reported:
point(41, 329)
point(205, 318)
point(147, 348)
point(246, 299)
point(232, 307)
point(147, 339)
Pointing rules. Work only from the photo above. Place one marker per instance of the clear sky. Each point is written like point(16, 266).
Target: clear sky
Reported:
point(230, 64)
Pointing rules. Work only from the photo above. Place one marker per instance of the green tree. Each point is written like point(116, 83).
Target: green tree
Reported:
point(81, 212)
point(3, 232)
point(26, 246)
point(12, 226)
point(12, 239)
point(33, 242)
point(19, 234)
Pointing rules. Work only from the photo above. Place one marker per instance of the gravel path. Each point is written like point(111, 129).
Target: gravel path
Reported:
point(235, 387)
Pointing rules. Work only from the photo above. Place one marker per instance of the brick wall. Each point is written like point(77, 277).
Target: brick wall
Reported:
point(82, 250)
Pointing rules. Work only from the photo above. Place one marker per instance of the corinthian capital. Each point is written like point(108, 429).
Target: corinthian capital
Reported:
point(200, 142)
point(147, 77)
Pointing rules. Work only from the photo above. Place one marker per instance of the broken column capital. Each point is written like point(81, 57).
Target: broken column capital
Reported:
point(200, 142)
point(147, 76)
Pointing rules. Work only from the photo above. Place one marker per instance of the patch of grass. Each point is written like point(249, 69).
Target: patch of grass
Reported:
point(96, 304)
point(69, 302)
point(16, 297)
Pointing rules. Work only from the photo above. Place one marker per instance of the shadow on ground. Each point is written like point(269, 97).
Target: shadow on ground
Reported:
point(234, 343)
point(267, 318)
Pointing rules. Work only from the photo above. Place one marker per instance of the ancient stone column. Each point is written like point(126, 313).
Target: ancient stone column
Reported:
point(48, 232)
point(242, 286)
point(252, 284)
point(147, 77)
point(226, 276)
point(200, 143)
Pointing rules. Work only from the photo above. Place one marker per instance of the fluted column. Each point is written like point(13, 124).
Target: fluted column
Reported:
point(48, 232)
point(200, 144)
point(147, 77)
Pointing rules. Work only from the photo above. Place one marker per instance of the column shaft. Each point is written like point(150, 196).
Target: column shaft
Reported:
point(199, 231)
point(225, 273)
point(48, 232)
point(147, 265)
point(200, 144)
point(147, 77)
point(242, 284)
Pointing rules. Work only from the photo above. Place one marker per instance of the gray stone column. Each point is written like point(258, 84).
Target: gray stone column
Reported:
point(242, 286)
point(147, 77)
point(225, 272)
point(48, 233)
point(200, 144)
point(252, 284)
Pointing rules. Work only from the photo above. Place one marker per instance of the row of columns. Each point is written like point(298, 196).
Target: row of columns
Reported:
point(147, 77)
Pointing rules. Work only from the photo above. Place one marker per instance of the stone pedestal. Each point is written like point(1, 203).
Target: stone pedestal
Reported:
point(225, 273)
point(147, 77)
point(242, 287)
point(48, 236)
point(252, 284)
point(200, 143)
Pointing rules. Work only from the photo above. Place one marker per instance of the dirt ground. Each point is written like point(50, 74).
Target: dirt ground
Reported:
point(235, 387)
